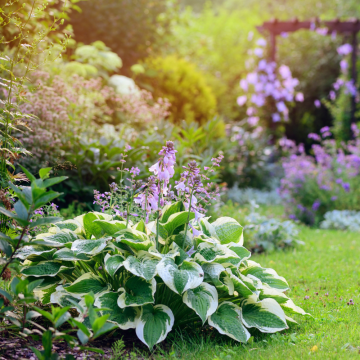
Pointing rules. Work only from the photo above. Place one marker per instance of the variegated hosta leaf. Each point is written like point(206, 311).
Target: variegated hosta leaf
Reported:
point(218, 276)
point(268, 276)
point(91, 227)
point(62, 297)
point(266, 315)
point(228, 230)
point(111, 227)
point(239, 286)
point(188, 275)
point(143, 265)
point(59, 239)
point(291, 308)
point(215, 252)
point(176, 220)
point(174, 251)
point(208, 229)
point(228, 321)
point(137, 292)
point(137, 240)
point(45, 268)
point(171, 209)
point(66, 254)
point(154, 324)
point(203, 300)
point(87, 283)
point(125, 318)
point(180, 239)
point(72, 225)
point(268, 292)
point(205, 239)
point(113, 263)
point(35, 252)
point(140, 226)
point(89, 247)
point(240, 251)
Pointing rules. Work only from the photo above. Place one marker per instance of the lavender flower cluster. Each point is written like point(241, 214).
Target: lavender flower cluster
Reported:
point(328, 180)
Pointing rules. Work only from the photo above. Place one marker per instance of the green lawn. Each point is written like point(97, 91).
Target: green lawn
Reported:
point(329, 263)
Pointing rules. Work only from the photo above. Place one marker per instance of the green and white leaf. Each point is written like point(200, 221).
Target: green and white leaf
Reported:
point(291, 308)
point(154, 324)
point(89, 247)
point(208, 229)
point(59, 239)
point(35, 251)
point(203, 300)
point(45, 268)
point(268, 276)
point(188, 275)
point(113, 263)
point(66, 254)
point(239, 286)
point(216, 252)
point(137, 292)
point(217, 274)
point(228, 321)
point(173, 252)
point(228, 230)
point(137, 240)
point(125, 318)
point(176, 220)
point(87, 283)
point(72, 225)
point(62, 297)
point(265, 315)
point(240, 251)
point(268, 292)
point(143, 265)
point(111, 227)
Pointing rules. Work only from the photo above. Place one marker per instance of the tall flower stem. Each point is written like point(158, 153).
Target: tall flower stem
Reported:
point(188, 219)
point(158, 218)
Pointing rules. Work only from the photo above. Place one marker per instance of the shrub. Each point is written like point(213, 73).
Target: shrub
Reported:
point(328, 180)
point(246, 195)
point(183, 85)
point(170, 268)
point(341, 220)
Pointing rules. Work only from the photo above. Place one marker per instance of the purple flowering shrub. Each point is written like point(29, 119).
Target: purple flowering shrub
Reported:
point(326, 180)
point(156, 262)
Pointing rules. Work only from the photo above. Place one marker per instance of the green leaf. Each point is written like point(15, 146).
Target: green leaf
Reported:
point(268, 276)
point(268, 292)
point(89, 247)
point(124, 318)
point(63, 298)
point(137, 292)
point(171, 209)
point(291, 308)
point(228, 230)
point(82, 337)
point(239, 250)
point(239, 286)
point(107, 327)
point(66, 254)
point(137, 240)
point(21, 211)
point(228, 321)
point(176, 220)
point(91, 227)
point(57, 240)
point(217, 274)
point(207, 252)
point(113, 263)
point(6, 294)
point(203, 300)
point(45, 220)
point(29, 175)
point(7, 213)
point(44, 173)
point(53, 181)
point(266, 315)
point(87, 283)
point(111, 227)
point(46, 268)
point(46, 198)
point(143, 265)
point(72, 225)
point(140, 226)
point(5, 248)
point(154, 324)
point(188, 275)
point(35, 253)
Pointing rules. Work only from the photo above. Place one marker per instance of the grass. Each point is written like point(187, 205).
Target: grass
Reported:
point(329, 263)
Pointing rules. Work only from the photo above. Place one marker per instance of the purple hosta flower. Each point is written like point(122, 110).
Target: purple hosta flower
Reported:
point(326, 134)
point(191, 251)
point(344, 49)
point(262, 65)
point(292, 217)
point(332, 95)
point(284, 71)
point(244, 84)
point(281, 107)
point(346, 186)
point(276, 117)
point(316, 205)
point(217, 160)
point(253, 120)
point(343, 65)
point(322, 31)
point(241, 100)
point(252, 78)
point(317, 103)
point(258, 52)
point(250, 111)
point(164, 168)
point(195, 232)
point(355, 130)
point(312, 26)
point(135, 171)
point(261, 42)
point(350, 88)
point(325, 187)
point(314, 136)
point(324, 129)
point(299, 97)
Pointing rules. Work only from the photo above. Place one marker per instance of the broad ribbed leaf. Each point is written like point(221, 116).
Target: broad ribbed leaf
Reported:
point(125, 318)
point(63, 298)
point(240, 251)
point(228, 321)
point(59, 239)
point(143, 265)
point(137, 240)
point(208, 229)
point(66, 254)
point(203, 300)
point(91, 226)
point(291, 308)
point(268, 292)
point(215, 252)
point(216, 274)
point(87, 283)
point(111, 227)
point(171, 209)
point(154, 324)
point(265, 315)
point(89, 247)
point(113, 263)
point(176, 220)
point(239, 286)
point(32, 251)
point(268, 276)
point(137, 292)
point(46, 268)
point(228, 230)
point(188, 275)
point(72, 225)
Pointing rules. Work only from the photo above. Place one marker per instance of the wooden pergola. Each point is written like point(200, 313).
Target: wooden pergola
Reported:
point(349, 28)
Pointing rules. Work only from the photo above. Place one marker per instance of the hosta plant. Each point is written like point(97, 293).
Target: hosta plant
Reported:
point(169, 267)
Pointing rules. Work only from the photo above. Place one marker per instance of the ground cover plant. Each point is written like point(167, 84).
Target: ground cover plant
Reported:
point(162, 267)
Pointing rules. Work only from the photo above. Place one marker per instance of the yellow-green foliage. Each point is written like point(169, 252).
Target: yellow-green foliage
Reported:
point(183, 85)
